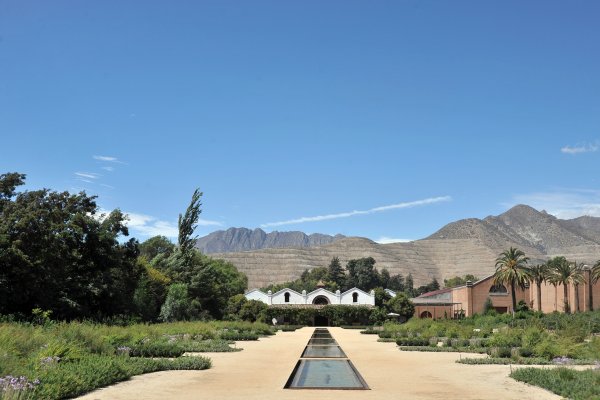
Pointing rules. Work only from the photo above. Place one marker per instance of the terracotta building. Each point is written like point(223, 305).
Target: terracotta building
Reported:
point(470, 299)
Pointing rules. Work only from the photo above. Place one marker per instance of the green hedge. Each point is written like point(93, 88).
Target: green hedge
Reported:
point(338, 315)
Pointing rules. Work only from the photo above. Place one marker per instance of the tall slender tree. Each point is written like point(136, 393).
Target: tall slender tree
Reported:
point(563, 272)
point(335, 272)
point(511, 269)
point(538, 275)
point(187, 224)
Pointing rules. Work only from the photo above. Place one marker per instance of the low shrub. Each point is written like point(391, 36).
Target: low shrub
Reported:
point(233, 335)
point(157, 349)
point(207, 346)
point(370, 331)
point(499, 352)
point(568, 383)
point(412, 341)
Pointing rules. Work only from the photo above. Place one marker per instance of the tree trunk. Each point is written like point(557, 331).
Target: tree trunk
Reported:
point(514, 296)
point(539, 296)
point(591, 291)
point(577, 308)
point(567, 309)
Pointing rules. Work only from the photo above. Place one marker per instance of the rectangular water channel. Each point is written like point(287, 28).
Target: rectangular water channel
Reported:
point(322, 341)
point(323, 352)
point(324, 365)
point(325, 374)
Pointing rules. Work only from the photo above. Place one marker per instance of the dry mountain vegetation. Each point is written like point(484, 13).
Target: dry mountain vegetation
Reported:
point(468, 246)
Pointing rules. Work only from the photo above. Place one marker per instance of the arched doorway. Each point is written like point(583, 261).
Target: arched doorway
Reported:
point(425, 314)
point(321, 301)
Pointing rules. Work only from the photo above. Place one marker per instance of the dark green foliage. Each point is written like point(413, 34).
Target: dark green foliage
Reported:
point(67, 380)
point(156, 245)
point(234, 305)
point(337, 315)
point(409, 288)
point(252, 310)
point(414, 341)
point(362, 274)
point(178, 305)
point(430, 287)
point(459, 281)
point(157, 349)
point(236, 335)
point(576, 385)
point(151, 292)
point(56, 253)
point(187, 224)
point(401, 304)
point(335, 272)
point(488, 307)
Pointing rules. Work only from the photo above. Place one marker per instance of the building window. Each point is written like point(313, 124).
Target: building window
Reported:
point(425, 314)
point(498, 289)
point(287, 297)
point(355, 297)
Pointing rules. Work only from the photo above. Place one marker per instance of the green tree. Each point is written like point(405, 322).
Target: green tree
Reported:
point(187, 225)
point(594, 277)
point(563, 272)
point(253, 310)
point(234, 305)
point(335, 272)
point(178, 305)
point(381, 297)
point(459, 281)
point(511, 269)
point(409, 287)
point(151, 291)
point(401, 304)
point(57, 253)
point(538, 274)
point(396, 283)
point(156, 245)
point(362, 274)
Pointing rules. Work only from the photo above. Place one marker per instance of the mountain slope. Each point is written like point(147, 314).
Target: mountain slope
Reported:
point(468, 246)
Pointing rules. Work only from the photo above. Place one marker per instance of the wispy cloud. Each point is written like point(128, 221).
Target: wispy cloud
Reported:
point(108, 159)
point(388, 240)
point(87, 175)
point(581, 148)
point(147, 225)
point(562, 203)
point(348, 214)
point(107, 186)
point(108, 168)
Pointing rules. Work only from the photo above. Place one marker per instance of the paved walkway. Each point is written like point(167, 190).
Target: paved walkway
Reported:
point(260, 371)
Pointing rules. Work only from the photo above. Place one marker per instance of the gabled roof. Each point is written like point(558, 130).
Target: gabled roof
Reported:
point(435, 292)
point(286, 290)
point(355, 289)
point(321, 290)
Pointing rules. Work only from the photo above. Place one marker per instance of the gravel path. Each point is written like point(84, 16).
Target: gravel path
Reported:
point(260, 371)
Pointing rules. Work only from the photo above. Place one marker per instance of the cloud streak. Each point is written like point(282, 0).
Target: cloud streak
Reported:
point(388, 240)
point(580, 148)
point(348, 214)
point(108, 159)
point(87, 175)
point(562, 203)
point(147, 225)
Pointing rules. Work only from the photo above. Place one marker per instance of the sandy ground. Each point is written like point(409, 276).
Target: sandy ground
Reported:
point(261, 370)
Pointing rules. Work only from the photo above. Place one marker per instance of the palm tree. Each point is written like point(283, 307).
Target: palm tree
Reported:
point(538, 274)
point(511, 268)
point(594, 277)
point(564, 273)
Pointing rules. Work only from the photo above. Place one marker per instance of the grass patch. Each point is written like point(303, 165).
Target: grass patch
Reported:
point(575, 385)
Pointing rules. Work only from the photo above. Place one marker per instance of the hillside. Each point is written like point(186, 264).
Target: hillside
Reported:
point(468, 246)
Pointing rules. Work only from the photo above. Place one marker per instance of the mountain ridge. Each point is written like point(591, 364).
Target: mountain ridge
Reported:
point(244, 239)
point(466, 246)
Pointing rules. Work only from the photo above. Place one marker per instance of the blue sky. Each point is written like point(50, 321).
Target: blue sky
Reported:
point(382, 119)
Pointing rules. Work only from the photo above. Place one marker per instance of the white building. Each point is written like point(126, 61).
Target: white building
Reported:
point(320, 296)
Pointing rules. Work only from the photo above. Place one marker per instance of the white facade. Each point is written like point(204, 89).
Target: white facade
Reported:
point(320, 296)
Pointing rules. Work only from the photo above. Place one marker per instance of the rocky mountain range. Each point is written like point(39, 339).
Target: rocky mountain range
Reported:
point(468, 246)
point(243, 239)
